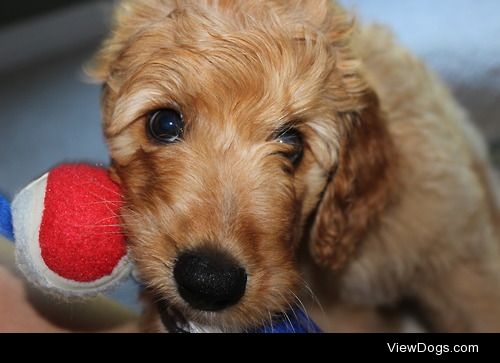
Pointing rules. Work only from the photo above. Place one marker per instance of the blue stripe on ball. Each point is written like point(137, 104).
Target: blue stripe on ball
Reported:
point(5, 219)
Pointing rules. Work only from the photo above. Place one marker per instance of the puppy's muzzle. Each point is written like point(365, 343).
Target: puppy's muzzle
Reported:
point(209, 280)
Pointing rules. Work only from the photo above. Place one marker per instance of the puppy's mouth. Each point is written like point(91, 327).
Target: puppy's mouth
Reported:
point(175, 322)
point(295, 321)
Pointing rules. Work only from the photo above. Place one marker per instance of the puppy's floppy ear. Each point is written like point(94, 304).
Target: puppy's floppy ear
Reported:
point(130, 17)
point(359, 188)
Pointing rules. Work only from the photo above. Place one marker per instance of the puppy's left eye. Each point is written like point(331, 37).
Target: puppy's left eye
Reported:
point(165, 126)
point(292, 137)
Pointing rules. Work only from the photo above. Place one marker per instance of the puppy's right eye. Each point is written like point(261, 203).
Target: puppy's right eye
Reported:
point(165, 126)
point(292, 137)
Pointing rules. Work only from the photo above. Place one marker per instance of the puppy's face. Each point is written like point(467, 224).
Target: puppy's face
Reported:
point(222, 129)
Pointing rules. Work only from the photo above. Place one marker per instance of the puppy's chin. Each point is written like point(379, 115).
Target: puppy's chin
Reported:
point(173, 320)
point(178, 317)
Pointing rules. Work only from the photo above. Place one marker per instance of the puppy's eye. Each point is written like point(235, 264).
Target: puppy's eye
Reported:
point(165, 126)
point(292, 137)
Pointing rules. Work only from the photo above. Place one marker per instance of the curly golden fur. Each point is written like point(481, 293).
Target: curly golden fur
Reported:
point(394, 195)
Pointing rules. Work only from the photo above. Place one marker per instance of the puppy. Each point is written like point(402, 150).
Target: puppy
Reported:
point(268, 146)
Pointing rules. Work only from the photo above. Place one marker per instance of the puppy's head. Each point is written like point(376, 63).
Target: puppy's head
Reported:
point(231, 124)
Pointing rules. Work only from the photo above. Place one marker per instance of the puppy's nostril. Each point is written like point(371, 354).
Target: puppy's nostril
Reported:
point(209, 280)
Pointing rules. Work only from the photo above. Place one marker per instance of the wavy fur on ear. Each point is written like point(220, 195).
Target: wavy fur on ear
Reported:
point(131, 17)
point(359, 189)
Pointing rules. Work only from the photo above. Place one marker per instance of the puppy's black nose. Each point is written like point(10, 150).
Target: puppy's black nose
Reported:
point(209, 280)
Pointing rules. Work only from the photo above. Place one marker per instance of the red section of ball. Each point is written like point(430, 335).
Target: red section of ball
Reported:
point(80, 235)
